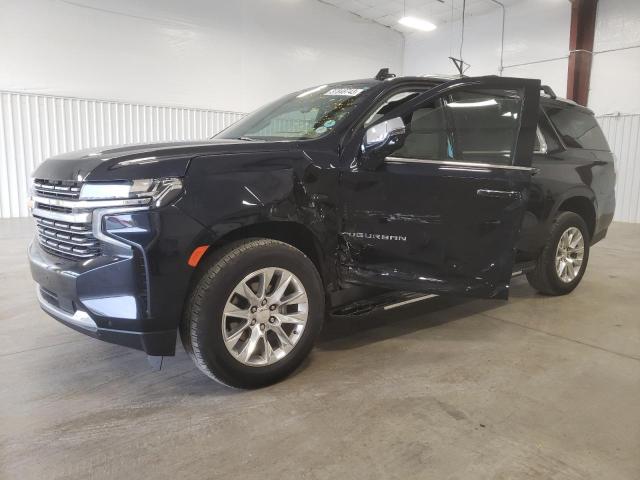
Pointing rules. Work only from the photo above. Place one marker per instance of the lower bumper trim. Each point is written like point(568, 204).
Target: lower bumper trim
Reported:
point(79, 318)
point(158, 343)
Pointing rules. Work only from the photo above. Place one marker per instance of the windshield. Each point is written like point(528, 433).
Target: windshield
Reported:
point(302, 115)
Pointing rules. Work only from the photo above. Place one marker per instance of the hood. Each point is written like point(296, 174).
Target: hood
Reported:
point(147, 160)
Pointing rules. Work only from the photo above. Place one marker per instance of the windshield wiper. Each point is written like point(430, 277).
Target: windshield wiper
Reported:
point(247, 139)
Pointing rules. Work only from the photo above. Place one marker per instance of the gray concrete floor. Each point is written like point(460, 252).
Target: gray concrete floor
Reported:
point(536, 388)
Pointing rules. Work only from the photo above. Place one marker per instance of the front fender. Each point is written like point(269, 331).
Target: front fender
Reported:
point(232, 191)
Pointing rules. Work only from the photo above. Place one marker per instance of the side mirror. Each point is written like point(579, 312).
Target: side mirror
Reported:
point(381, 140)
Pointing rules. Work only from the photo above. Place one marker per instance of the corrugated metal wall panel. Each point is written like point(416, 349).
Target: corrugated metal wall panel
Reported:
point(35, 127)
point(623, 135)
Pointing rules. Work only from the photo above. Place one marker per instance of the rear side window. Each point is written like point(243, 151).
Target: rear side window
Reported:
point(577, 128)
point(544, 129)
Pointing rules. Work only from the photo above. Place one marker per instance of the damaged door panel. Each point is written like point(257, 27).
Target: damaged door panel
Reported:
point(440, 208)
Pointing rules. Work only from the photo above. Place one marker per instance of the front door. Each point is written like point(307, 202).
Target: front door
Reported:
point(442, 212)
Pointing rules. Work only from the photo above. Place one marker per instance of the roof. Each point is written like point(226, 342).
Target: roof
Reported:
point(441, 78)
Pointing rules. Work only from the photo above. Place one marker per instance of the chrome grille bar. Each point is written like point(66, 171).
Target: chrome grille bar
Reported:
point(84, 217)
point(56, 188)
point(84, 204)
point(67, 239)
point(63, 221)
point(63, 227)
point(64, 250)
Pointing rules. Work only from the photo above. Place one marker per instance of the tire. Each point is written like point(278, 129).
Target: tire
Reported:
point(258, 353)
point(545, 277)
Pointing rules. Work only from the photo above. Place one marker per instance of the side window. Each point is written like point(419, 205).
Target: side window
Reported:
point(427, 136)
point(547, 134)
point(391, 103)
point(577, 128)
point(485, 125)
point(478, 126)
point(539, 146)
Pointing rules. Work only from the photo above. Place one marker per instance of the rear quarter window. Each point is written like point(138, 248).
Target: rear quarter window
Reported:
point(577, 128)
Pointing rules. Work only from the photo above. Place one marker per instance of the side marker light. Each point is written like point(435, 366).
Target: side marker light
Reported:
point(196, 255)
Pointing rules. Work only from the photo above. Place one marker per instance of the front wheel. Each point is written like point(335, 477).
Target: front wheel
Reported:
point(254, 314)
point(563, 260)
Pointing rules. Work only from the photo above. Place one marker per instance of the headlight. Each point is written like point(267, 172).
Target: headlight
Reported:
point(158, 192)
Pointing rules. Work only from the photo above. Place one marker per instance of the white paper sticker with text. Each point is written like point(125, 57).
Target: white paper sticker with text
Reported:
point(344, 92)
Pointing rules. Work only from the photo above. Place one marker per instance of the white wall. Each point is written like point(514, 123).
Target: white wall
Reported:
point(615, 74)
point(238, 54)
point(35, 127)
point(537, 39)
point(615, 93)
point(537, 46)
point(226, 55)
point(536, 33)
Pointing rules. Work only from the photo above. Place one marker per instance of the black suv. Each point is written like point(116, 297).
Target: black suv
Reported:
point(330, 195)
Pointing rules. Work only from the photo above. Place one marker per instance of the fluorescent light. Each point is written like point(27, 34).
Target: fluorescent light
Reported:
point(482, 103)
point(417, 23)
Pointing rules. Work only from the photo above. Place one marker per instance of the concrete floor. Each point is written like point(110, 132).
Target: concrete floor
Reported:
point(533, 388)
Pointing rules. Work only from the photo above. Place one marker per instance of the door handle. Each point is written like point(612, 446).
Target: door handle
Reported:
point(483, 192)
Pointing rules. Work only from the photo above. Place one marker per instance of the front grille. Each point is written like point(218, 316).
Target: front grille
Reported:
point(64, 218)
point(61, 231)
point(66, 239)
point(52, 208)
point(57, 189)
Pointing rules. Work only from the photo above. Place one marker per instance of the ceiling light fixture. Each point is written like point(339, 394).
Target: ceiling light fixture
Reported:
point(417, 23)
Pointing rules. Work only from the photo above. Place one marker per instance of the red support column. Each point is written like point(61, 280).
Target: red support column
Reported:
point(583, 26)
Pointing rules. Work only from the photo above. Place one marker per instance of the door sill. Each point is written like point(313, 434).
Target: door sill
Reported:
point(386, 301)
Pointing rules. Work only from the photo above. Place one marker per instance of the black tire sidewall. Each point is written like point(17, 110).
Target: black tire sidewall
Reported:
point(564, 221)
point(206, 331)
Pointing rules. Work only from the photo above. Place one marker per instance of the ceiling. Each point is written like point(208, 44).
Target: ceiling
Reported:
point(388, 12)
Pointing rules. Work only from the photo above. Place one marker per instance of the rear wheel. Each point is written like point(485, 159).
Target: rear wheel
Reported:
point(254, 314)
point(563, 260)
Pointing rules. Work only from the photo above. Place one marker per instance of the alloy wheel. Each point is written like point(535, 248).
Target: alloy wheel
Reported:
point(569, 254)
point(264, 316)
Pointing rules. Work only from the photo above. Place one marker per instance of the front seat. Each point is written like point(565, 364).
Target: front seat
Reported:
point(425, 134)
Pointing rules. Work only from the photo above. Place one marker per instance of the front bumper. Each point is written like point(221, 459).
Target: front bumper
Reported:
point(131, 294)
point(79, 319)
point(82, 299)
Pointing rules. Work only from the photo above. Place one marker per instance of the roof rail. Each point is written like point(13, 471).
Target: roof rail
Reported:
point(548, 90)
point(443, 76)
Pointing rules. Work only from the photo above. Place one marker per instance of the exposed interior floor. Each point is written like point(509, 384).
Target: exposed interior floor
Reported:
point(537, 387)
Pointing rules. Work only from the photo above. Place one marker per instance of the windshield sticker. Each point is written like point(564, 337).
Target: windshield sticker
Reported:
point(321, 129)
point(329, 123)
point(344, 92)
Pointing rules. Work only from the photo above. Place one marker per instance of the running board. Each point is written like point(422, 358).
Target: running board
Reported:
point(386, 301)
point(391, 300)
